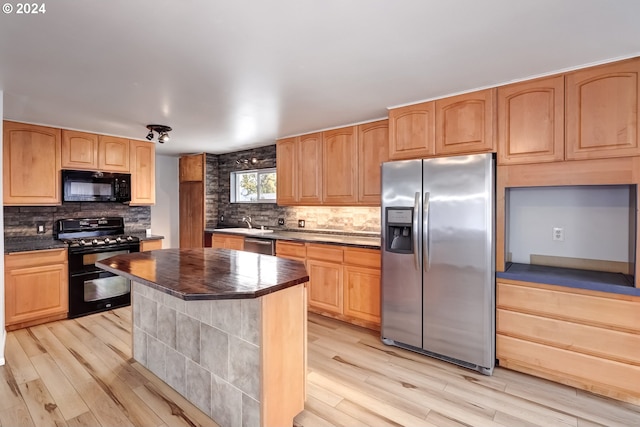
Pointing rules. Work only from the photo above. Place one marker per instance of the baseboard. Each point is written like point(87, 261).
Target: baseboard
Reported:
point(2, 341)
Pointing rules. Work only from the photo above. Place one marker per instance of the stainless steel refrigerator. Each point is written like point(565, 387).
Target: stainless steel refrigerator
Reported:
point(438, 258)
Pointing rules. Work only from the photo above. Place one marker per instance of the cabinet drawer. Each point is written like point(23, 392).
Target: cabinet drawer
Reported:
point(362, 257)
point(599, 342)
point(291, 249)
point(327, 253)
point(33, 258)
point(621, 313)
point(150, 245)
point(591, 373)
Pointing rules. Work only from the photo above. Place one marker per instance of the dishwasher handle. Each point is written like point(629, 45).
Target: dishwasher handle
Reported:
point(258, 241)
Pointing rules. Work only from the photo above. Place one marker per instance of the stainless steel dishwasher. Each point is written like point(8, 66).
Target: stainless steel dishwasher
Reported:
point(259, 245)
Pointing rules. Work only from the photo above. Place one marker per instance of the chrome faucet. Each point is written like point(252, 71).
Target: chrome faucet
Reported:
point(247, 219)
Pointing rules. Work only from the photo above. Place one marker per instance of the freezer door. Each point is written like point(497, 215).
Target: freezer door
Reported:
point(401, 268)
point(459, 272)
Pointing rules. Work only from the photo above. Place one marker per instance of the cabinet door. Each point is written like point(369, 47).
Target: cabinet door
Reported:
point(235, 242)
point(373, 150)
point(531, 121)
point(36, 285)
point(150, 245)
point(603, 111)
point(412, 131)
point(191, 215)
point(143, 173)
point(362, 293)
point(465, 123)
point(325, 286)
point(31, 165)
point(113, 154)
point(222, 241)
point(79, 150)
point(286, 164)
point(340, 162)
point(192, 168)
point(309, 170)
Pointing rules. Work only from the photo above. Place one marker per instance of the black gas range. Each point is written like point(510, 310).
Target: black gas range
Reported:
point(92, 289)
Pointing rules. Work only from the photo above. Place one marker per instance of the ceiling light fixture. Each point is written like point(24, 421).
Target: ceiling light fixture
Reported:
point(163, 133)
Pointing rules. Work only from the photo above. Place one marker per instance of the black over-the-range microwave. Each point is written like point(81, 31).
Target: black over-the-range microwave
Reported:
point(92, 186)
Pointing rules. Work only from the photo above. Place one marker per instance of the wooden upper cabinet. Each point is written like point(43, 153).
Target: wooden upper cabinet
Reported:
point(603, 111)
point(531, 121)
point(340, 162)
point(373, 150)
point(465, 123)
point(143, 172)
point(286, 164)
point(309, 170)
point(412, 131)
point(79, 150)
point(31, 164)
point(192, 168)
point(113, 154)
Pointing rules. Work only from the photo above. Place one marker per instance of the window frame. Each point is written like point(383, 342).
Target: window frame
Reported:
point(234, 177)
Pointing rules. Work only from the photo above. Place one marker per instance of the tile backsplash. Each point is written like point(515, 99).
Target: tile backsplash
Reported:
point(23, 220)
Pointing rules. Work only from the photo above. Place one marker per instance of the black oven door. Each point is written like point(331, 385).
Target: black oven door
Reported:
point(91, 289)
point(97, 291)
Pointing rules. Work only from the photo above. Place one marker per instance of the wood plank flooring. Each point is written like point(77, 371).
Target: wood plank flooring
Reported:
point(80, 373)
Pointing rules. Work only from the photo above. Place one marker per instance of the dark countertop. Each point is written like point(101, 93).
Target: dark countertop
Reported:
point(31, 243)
point(368, 241)
point(616, 283)
point(36, 243)
point(208, 274)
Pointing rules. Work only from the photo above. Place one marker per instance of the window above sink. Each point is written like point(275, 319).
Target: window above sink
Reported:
point(253, 186)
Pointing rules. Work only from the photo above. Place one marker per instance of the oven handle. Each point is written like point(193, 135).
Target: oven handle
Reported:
point(132, 247)
point(97, 272)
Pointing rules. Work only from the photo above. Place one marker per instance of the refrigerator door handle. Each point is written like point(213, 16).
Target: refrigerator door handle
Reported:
point(416, 243)
point(426, 262)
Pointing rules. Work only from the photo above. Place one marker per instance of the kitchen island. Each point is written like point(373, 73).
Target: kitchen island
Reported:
point(226, 329)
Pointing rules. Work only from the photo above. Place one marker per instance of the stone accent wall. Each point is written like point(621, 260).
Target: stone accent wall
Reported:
point(346, 219)
point(212, 196)
point(208, 351)
point(22, 220)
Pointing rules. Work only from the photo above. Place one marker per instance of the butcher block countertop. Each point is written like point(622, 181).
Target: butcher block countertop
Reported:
point(207, 273)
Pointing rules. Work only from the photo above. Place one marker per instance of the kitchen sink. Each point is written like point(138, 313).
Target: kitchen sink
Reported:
point(251, 231)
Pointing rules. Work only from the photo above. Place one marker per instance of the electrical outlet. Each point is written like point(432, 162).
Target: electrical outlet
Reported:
point(280, 221)
point(40, 228)
point(301, 223)
point(558, 234)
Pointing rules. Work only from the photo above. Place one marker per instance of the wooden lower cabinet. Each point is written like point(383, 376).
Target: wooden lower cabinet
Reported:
point(227, 241)
point(296, 251)
point(362, 285)
point(36, 287)
point(586, 339)
point(344, 282)
point(150, 245)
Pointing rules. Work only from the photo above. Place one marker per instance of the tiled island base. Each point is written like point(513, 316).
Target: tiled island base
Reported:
point(241, 361)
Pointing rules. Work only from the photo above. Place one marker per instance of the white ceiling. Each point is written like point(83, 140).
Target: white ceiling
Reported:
point(229, 75)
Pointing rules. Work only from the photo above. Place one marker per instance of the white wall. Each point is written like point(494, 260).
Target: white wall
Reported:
point(597, 222)
point(3, 334)
point(165, 213)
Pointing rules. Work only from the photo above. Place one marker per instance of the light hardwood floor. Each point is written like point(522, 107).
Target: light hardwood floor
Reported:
point(80, 373)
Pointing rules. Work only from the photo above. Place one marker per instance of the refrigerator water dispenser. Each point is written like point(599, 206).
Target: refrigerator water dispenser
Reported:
point(399, 224)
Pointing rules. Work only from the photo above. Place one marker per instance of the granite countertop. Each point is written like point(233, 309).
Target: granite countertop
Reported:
point(207, 273)
point(616, 283)
point(361, 240)
point(36, 243)
point(31, 243)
